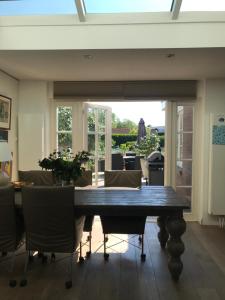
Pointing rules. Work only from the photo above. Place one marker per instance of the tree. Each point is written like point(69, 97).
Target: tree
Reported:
point(64, 124)
point(148, 144)
point(126, 123)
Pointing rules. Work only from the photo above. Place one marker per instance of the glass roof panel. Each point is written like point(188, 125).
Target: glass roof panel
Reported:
point(37, 7)
point(203, 5)
point(127, 6)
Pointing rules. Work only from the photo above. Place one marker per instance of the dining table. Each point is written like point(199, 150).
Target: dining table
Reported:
point(160, 201)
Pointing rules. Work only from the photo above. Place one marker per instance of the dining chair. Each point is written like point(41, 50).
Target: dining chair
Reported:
point(11, 226)
point(82, 181)
point(123, 224)
point(45, 178)
point(59, 230)
point(37, 177)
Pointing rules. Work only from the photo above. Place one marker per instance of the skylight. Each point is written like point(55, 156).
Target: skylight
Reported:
point(203, 5)
point(127, 6)
point(37, 7)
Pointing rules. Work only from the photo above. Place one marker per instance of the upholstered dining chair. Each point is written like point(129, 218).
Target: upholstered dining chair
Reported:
point(11, 226)
point(85, 180)
point(60, 230)
point(37, 177)
point(123, 224)
point(45, 178)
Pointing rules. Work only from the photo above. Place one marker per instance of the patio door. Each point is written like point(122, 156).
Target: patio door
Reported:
point(98, 139)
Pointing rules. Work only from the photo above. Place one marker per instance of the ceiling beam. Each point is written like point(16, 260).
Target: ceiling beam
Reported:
point(176, 9)
point(81, 10)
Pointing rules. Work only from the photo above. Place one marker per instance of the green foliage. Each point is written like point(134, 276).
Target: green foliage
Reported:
point(129, 146)
point(64, 118)
point(123, 138)
point(63, 165)
point(64, 114)
point(162, 141)
point(148, 145)
point(117, 123)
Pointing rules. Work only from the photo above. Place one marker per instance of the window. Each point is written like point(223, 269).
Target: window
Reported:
point(63, 127)
point(184, 150)
point(127, 6)
point(37, 7)
point(203, 5)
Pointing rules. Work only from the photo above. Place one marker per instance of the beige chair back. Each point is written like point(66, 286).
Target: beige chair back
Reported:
point(85, 179)
point(50, 219)
point(37, 177)
point(128, 178)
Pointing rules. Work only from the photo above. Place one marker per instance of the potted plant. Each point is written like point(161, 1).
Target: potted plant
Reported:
point(64, 166)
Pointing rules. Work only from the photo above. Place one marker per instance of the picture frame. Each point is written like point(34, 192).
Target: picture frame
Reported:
point(5, 112)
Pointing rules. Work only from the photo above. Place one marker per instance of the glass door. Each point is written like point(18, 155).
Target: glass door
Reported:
point(98, 140)
point(184, 141)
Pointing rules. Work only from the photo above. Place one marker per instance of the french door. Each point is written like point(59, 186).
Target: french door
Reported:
point(98, 139)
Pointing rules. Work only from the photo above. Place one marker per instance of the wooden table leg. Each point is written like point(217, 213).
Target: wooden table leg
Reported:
point(163, 233)
point(175, 226)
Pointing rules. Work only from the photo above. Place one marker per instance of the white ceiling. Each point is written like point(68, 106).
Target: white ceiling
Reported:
point(71, 65)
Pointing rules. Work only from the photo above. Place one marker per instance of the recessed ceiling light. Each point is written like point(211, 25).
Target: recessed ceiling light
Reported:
point(170, 55)
point(88, 56)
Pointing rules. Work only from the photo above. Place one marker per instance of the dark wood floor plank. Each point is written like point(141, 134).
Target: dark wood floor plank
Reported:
point(124, 276)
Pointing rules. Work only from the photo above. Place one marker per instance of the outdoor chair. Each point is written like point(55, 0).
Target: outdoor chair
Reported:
point(60, 230)
point(85, 180)
point(117, 161)
point(11, 226)
point(123, 224)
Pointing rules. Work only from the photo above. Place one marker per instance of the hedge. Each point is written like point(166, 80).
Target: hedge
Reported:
point(162, 141)
point(123, 138)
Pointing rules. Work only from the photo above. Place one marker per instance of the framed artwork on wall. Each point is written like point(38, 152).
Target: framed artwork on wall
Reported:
point(5, 112)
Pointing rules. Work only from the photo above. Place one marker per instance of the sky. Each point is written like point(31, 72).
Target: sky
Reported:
point(26, 7)
point(150, 111)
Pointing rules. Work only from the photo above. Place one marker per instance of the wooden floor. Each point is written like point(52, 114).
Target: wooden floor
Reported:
point(124, 276)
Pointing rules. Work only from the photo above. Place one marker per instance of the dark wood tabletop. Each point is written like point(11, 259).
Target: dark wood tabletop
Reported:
point(148, 201)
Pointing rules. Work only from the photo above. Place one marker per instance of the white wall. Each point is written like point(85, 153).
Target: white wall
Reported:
point(9, 88)
point(34, 123)
point(146, 31)
point(211, 100)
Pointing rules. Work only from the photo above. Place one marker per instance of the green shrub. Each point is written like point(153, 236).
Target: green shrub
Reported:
point(123, 138)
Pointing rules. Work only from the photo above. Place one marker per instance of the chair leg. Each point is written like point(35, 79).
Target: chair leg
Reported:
point(88, 253)
point(12, 282)
point(106, 255)
point(140, 238)
point(81, 259)
point(143, 256)
point(23, 282)
point(69, 282)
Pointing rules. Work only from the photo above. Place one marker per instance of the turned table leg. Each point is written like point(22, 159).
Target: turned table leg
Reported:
point(175, 226)
point(163, 233)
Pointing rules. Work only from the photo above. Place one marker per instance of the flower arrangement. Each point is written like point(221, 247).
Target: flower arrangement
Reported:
point(64, 166)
